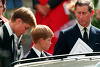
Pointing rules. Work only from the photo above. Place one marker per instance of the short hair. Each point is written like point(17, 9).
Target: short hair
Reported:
point(85, 2)
point(25, 14)
point(41, 31)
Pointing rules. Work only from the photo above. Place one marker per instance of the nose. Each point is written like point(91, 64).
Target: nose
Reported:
point(50, 42)
point(80, 16)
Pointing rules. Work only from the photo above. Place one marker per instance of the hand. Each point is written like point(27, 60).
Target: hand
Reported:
point(70, 4)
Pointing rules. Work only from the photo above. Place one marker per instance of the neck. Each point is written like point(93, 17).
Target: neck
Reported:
point(37, 46)
point(85, 25)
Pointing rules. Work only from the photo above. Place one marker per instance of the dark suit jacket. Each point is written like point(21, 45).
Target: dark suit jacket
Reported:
point(32, 54)
point(6, 46)
point(68, 38)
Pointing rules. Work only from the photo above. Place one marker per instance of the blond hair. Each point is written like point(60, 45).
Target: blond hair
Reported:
point(25, 14)
point(41, 31)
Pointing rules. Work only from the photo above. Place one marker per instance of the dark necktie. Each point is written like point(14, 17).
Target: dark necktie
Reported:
point(20, 50)
point(41, 55)
point(85, 36)
point(14, 49)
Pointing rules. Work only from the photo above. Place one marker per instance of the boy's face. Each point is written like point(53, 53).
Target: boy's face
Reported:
point(45, 44)
point(20, 27)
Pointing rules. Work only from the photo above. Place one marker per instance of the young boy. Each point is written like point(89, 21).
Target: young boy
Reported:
point(42, 36)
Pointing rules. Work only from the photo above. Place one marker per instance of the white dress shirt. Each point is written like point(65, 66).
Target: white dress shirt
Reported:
point(82, 29)
point(38, 52)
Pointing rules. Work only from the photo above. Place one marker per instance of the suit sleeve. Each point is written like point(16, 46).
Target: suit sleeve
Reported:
point(54, 3)
point(60, 47)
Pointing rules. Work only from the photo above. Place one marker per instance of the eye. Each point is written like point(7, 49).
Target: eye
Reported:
point(26, 27)
point(1, 6)
point(84, 13)
point(78, 12)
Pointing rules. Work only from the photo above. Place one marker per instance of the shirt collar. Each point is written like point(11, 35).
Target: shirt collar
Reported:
point(37, 51)
point(81, 27)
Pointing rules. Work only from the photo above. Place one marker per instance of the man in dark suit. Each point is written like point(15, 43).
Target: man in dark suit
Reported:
point(11, 32)
point(41, 36)
point(83, 29)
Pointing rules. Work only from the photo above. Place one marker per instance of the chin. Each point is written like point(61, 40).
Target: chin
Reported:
point(19, 35)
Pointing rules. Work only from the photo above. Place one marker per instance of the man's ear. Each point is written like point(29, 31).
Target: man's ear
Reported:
point(73, 11)
point(92, 12)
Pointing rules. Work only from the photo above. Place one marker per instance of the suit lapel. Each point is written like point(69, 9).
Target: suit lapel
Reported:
point(74, 34)
point(92, 33)
point(7, 38)
point(6, 34)
point(92, 37)
point(47, 54)
point(32, 54)
point(77, 32)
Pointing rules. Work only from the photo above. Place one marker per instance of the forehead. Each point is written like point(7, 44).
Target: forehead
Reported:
point(49, 38)
point(82, 8)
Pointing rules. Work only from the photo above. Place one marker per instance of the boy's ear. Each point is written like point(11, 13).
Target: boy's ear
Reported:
point(18, 20)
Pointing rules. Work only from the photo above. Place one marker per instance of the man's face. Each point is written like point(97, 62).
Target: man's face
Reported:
point(83, 15)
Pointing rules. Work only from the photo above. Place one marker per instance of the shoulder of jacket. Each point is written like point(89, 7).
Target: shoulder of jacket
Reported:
point(48, 54)
point(1, 32)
